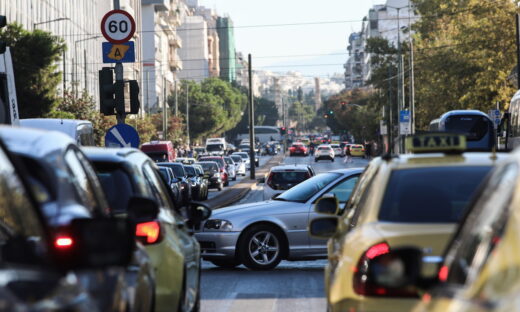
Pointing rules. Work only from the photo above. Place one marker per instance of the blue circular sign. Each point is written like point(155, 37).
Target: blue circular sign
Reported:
point(122, 135)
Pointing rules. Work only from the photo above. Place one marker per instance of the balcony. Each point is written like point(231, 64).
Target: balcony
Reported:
point(176, 42)
point(174, 18)
point(174, 62)
point(160, 5)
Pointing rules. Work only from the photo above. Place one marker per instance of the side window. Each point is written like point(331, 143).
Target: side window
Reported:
point(17, 214)
point(156, 185)
point(483, 227)
point(343, 190)
point(82, 185)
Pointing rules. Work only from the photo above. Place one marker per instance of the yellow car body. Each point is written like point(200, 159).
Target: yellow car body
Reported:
point(357, 150)
point(360, 230)
point(487, 245)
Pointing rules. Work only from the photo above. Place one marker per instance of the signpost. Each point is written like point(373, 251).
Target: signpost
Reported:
point(404, 122)
point(495, 116)
point(122, 135)
point(118, 53)
point(118, 26)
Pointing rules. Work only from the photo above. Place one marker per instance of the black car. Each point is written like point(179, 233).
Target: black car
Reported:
point(180, 173)
point(199, 187)
point(212, 174)
point(69, 197)
point(174, 184)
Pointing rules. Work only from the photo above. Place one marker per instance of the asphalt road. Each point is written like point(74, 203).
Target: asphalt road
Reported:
point(292, 286)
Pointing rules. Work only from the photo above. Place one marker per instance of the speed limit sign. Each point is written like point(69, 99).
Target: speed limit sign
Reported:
point(118, 26)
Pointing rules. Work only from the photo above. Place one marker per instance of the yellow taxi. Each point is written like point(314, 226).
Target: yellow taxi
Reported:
point(357, 150)
point(405, 200)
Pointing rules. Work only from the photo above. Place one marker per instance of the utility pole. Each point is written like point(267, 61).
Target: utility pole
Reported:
point(390, 124)
point(85, 68)
point(399, 73)
point(176, 100)
point(64, 73)
point(518, 50)
point(412, 74)
point(165, 111)
point(119, 76)
point(251, 121)
point(187, 114)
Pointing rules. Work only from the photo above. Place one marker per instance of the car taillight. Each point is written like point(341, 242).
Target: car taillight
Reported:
point(443, 273)
point(148, 232)
point(363, 284)
point(270, 181)
point(63, 242)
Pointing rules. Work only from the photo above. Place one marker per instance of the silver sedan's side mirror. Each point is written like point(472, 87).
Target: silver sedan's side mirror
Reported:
point(328, 204)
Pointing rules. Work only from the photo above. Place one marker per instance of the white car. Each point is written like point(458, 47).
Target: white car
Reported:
point(338, 151)
point(244, 156)
point(324, 152)
point(281, 178)
point(240, 164)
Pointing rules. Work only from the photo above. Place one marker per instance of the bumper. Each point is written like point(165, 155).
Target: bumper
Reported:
point(318, 157)
point(374, 305)
point(217, 245)
point(357, 154)
point(214, 182)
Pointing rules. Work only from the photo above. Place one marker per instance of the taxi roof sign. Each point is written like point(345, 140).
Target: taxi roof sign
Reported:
point(436, 143)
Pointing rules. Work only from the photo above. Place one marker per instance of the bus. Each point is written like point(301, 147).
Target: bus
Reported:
point(511, 121)
point(263, 134)
point(478, 128)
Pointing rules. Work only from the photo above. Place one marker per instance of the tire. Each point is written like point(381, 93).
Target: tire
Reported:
point(234, 178)
point(226, 264)
point(332, 160)
point(226, 183)
point(269, 245)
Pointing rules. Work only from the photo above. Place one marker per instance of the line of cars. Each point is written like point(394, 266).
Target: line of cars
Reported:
point(92, 229)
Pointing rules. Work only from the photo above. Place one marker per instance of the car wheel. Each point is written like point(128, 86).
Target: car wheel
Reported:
point(226, 183)
point(332, 160)
point(235, 178)
point(261, 247)
point(227, 264)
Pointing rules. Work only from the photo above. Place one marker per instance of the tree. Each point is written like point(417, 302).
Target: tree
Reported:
point(266, 114)
point(35, 58)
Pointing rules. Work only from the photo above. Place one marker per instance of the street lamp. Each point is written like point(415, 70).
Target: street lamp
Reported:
point(51, 21)
point(75, 62)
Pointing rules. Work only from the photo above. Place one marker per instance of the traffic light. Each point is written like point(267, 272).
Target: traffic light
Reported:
point(343, 106)
point(283, 130)
point(3, 44)
point(107, 90)
point(134, 97)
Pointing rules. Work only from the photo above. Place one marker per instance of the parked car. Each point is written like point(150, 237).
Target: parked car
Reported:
point(67, 189)
point(182, 176)
point(174, 184)
point(224, 175)
point(175, 254)
point(212, 174)
point(199, 188)
point(240, 164)
point(281, 178)
point(38, 269)
point(231, 168)
point(261, 234)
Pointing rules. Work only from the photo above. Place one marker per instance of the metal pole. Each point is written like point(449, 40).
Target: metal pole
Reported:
point(64, 73)
point(147, 107)
point(251, 121)
point(119, 75)
point(390, 125)
point(399, 73)
point(518, 50)
point(176, 100)
point(187, 114)
point(412, 74)
point(165, 111)
point(85, 68)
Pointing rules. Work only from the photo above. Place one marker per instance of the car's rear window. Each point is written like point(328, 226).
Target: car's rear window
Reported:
point(209, 167)
point(219, 161)
point(236, 158)
point(430, 195)
point(190, 171)
point(323, 148)
point(283, 177)
point(117, 186)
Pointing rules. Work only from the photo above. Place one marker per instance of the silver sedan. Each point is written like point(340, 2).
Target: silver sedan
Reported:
point(260, 235)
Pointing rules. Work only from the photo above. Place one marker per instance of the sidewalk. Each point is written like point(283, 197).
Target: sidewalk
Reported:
point(235, 193)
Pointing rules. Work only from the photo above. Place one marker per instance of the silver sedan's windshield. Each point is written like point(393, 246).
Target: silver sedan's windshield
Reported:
point(307, 189)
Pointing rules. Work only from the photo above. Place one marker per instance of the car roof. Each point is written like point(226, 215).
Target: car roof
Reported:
point(300, 167)
point(441, 159)
point(34, 142)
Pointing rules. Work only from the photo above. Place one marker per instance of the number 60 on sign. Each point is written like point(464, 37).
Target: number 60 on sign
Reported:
point(118, 26)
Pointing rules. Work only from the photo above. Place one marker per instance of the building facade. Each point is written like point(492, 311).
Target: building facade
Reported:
point(194, 53)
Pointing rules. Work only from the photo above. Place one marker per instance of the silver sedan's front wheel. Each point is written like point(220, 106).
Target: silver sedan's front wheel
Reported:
point(261, 247)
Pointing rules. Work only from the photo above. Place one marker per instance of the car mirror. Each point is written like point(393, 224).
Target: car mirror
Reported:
point(95, 243)
point(323, 227)
point(142, 209)
point(197, 213)
point(328, 204)
point(397, 270)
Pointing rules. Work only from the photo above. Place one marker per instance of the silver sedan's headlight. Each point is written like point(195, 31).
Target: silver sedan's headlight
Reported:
point(218, 225)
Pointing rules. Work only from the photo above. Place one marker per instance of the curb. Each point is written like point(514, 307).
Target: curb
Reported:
point(241, 189)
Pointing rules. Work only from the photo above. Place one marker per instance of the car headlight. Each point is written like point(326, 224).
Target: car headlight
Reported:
point(218, 225)
point(216, 175)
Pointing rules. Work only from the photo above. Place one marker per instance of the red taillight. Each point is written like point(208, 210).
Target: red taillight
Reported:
point(362, 283)
point(443, 273)
point(269, 181)
point(63, 242)
point(148, 232)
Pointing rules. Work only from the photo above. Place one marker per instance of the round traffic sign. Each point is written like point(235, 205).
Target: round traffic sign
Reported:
point(118, 26)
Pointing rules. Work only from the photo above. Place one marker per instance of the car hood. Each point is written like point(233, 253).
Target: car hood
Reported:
point(253, 209)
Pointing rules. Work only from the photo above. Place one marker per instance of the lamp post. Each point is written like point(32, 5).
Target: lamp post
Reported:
point(51, 21)
point(75, 63)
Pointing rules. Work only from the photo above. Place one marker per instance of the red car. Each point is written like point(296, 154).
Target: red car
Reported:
point(298, 149)
point(221, 166)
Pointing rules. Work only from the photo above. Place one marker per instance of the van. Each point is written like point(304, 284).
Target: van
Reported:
point(79, 130)
point(216, 146)
point(159, 151)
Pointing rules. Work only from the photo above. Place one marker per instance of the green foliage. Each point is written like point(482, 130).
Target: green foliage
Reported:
point(266, 114)
point(35, 57)
point(463, 56)
point(303, 114)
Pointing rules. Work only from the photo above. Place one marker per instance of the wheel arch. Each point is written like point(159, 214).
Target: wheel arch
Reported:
point(271, 224)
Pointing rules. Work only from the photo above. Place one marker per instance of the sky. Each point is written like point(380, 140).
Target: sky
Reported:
point(323, 44)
